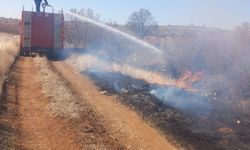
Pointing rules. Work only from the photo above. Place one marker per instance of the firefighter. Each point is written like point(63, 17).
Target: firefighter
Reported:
point(38, 3)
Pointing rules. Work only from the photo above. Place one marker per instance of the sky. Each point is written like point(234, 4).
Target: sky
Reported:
point(225, 14)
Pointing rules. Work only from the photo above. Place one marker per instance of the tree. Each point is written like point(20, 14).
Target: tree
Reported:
point(142, 22)
point(89, 13)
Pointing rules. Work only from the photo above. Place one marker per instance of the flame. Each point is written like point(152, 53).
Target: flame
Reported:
point(188, 79)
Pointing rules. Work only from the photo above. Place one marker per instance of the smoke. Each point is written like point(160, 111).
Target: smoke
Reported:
point(87, 61)
point(116, 45)
point(192, 72)
point(192, 102)
point(222, 57)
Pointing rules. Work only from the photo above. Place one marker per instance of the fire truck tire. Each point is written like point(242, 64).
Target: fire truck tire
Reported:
point(22, 52)
point(40, 54)
point(57, 55)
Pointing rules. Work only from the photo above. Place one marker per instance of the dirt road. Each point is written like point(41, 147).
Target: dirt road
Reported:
point(26, 122)
point(121, 121)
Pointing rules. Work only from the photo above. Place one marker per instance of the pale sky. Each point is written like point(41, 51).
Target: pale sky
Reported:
point(213, 13)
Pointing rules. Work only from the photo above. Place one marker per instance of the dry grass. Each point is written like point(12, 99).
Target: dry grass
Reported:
point(8, 53)
point(62, 100)
point(85, 62)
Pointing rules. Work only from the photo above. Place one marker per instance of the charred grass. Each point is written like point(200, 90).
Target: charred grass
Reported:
point(216, 130)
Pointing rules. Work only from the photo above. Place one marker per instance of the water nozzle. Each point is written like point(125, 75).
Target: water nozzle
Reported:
point(44, 5)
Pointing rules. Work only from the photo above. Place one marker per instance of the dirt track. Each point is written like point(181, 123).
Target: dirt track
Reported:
point(27, 123)
point(122, 122)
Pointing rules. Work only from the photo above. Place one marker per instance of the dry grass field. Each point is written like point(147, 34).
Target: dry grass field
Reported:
point(113, 93)
point(8, 52)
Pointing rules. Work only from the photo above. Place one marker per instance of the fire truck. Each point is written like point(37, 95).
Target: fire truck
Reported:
point(42, 33)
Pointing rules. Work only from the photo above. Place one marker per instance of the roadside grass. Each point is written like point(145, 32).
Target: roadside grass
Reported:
point(8, 53)
point(62, 100)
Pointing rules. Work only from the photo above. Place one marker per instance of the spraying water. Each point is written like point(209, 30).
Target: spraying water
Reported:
point(113, 30)
point(152, 61)
point(206, 51)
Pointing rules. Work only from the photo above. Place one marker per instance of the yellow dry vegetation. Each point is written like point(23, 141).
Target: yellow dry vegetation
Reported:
point(62, 100)
point(8, 52)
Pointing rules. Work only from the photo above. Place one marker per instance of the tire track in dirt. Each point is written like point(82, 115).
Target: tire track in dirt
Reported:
point(121, 121)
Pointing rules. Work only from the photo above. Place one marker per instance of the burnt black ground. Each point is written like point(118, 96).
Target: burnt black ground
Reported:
point(213, 131)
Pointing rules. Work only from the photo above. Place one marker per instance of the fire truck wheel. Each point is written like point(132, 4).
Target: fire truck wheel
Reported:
point(21, 52)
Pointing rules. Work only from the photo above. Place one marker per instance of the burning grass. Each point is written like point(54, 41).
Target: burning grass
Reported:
point(86, 62)
point(204, 75)
point(196, 120)
point(8, 53)
point(62, 100)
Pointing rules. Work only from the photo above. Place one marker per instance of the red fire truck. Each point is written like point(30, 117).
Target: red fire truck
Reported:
point(41, 32)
